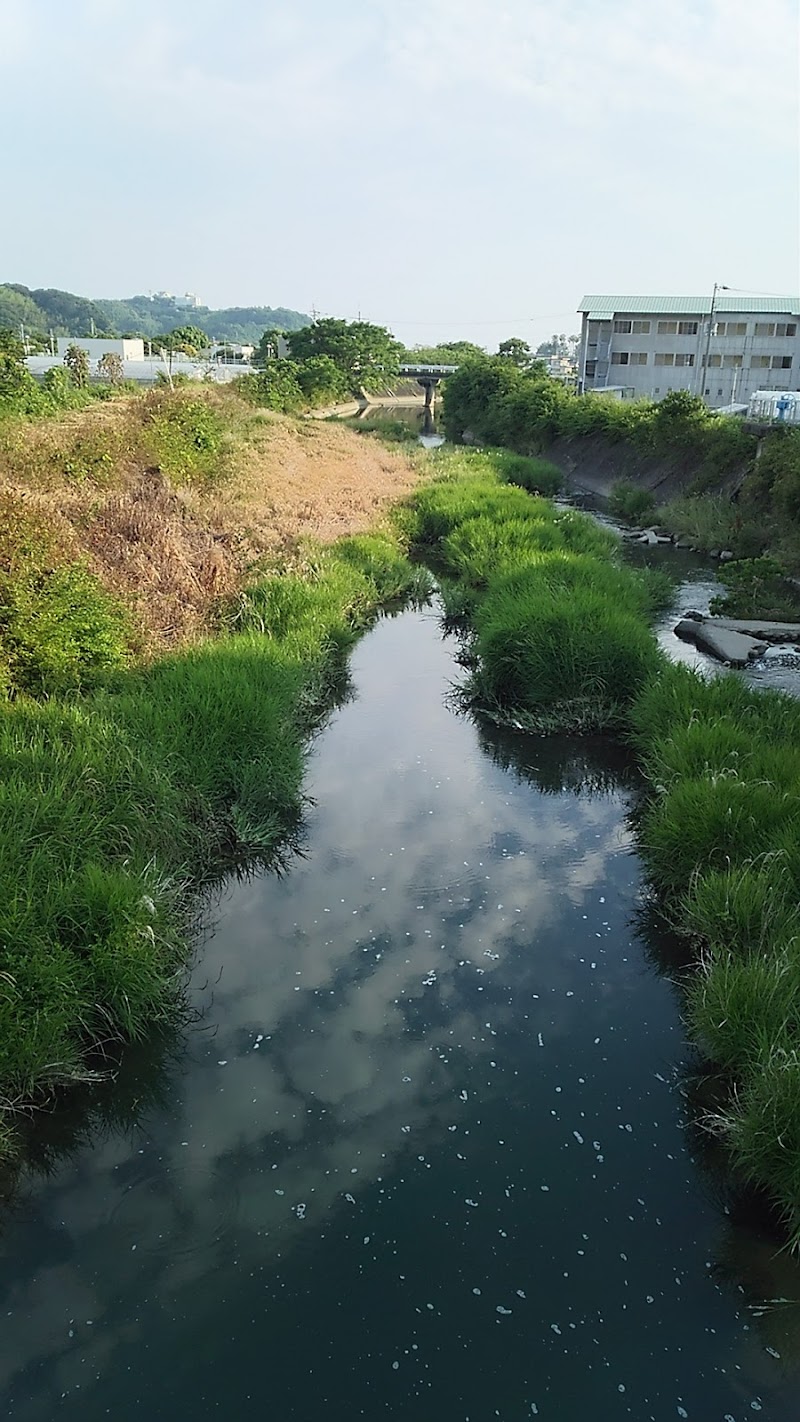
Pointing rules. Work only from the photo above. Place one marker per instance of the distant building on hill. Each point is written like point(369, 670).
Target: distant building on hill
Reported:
point(722, 349)
point(188, 302)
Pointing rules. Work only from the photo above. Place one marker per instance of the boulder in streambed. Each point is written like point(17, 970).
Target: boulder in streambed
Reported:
point(727, 645)
point(756, 627)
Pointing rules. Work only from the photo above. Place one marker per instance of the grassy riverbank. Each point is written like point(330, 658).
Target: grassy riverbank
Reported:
point(132, 771)
point(560, 639)
point(705, 476)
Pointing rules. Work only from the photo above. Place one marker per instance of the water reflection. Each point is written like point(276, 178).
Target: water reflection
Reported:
point(426, 1154)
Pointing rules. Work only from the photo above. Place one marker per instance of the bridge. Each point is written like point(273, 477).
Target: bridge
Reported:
point(428, 376)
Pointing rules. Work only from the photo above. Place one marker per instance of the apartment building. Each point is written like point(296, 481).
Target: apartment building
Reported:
point(649, 345)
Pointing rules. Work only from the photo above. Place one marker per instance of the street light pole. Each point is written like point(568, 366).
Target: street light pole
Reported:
point(704, 371)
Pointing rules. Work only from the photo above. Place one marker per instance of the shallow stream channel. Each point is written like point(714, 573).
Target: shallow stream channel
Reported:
point(424, 1154)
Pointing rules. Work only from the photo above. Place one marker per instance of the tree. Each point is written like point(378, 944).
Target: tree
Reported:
point(58, 385)
point(11, 347)
point(76, 359)
point(189, 339)
point(110, 368)
point(17, 386)
point(517, 351)
point(363, 354)
point(320, 380)
point(268, 347)
point(446, 353)
point(560, 346)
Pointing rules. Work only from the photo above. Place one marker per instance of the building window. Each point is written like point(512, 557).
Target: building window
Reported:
point(622, 328)
point(667, 328)
point(687, 328)
point(591, 367)
point(619, 357)
point(714, 361)
point(640, 328)
point(776, 328)
point(684, 360)
point(781, 362)
point(638, 358)
point(664, 358)
point(759, 362)
point(734, 360)
point(730, 328)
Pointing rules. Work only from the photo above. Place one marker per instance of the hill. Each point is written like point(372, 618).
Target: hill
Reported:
point(47, 309)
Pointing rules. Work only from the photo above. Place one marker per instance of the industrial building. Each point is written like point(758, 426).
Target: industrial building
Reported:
point(721, 347)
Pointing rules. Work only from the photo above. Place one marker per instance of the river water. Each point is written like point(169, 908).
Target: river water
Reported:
point(423, 1155)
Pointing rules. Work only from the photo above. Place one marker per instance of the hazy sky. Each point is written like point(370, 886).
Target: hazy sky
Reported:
point(448, 168)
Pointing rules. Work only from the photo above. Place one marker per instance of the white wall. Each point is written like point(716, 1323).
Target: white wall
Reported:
point(97, 347)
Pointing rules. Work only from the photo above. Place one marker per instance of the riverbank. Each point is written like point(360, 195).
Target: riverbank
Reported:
point(559, 639)
point(717, 482)
point(171, 636)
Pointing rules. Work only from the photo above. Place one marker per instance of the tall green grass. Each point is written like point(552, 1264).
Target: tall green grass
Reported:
point(561, 636)
point(114, 803)
point(721, 835)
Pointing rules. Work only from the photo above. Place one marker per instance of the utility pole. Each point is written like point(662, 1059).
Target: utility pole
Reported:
point(718, 286)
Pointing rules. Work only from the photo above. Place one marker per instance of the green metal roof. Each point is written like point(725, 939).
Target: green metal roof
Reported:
point(603, 308)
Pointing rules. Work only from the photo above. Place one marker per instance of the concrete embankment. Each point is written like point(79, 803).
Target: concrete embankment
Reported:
point(594, 463)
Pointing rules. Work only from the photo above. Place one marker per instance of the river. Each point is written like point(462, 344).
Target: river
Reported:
point(424, 1152)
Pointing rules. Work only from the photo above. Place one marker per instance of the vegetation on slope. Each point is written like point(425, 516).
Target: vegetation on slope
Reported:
point(733, 499)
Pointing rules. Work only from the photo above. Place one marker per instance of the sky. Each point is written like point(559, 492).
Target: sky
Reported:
point(451, 169)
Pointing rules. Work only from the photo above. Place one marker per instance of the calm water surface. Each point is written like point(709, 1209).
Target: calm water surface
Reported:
point(424, 1155)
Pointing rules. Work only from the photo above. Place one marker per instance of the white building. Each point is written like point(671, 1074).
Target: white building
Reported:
point(100, 346)
point(188, 302)
point(653, 344)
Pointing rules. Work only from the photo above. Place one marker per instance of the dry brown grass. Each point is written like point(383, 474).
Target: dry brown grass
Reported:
point(172, 553)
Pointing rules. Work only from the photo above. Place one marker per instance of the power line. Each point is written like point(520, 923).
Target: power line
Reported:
point(468, 320)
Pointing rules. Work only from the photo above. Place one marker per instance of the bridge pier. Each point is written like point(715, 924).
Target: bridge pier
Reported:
point(429, 384)
point(428, 377)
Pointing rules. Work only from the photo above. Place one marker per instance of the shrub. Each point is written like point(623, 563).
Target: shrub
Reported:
point(712, 521)
point(275, 387)
point(538, 476)
point(630, 501)
point(185, 436)
point(756, 587)
point(60, 629)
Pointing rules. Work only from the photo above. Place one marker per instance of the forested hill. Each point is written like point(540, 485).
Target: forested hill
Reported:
point(45, 310)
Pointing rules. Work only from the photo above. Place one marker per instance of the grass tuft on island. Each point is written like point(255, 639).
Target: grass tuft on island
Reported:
point(559, 639)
